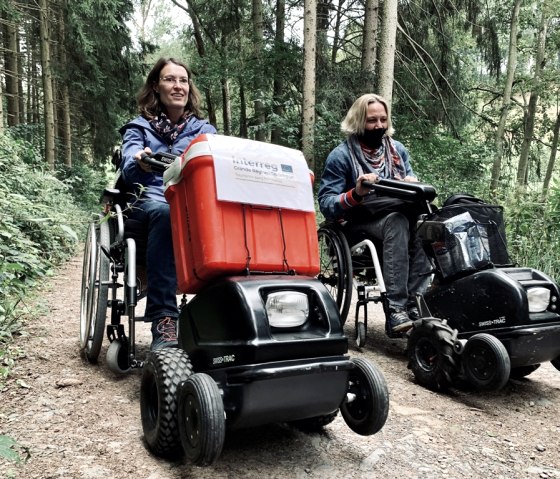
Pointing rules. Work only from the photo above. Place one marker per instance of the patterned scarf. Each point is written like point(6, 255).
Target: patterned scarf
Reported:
point(169, 132)
point(384, 161)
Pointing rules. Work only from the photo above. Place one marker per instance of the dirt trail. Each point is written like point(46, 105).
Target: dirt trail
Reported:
point(82, 421)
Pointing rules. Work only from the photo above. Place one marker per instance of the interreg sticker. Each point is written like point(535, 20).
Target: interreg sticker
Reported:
point(259, 173)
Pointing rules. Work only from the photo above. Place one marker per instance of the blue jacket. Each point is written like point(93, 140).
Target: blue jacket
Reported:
point(138, 134)
point(339, 178)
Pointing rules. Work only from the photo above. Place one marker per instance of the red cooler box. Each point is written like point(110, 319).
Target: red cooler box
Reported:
point(240, 206)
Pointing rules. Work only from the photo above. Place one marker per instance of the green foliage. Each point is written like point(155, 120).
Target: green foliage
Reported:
point(102, 70)
point(533, 233)
point(7, 449)
point(464, 163)
point(39, 226)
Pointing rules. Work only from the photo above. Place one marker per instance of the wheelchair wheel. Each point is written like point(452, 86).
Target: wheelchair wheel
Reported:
point(430, 354)
point(367, 406)
point(361, 334)
point(202, 423)
point(556, 363)
point(95, 289)
point(162, 374)
point(336, 268)
point(486, 362)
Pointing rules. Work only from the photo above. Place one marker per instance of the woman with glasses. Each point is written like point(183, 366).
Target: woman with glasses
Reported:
point(170, 117)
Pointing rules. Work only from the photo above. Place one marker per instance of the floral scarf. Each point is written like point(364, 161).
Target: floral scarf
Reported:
point(169, 132)
point(384, 161)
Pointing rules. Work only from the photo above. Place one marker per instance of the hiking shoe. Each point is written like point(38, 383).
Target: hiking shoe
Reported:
point(164, 333)
point(399, 321)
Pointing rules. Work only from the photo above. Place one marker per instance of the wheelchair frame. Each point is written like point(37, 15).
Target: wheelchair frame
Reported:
point(359, 262)
point(107, 255)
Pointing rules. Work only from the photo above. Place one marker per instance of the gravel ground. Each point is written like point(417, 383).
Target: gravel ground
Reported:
point(72, 419)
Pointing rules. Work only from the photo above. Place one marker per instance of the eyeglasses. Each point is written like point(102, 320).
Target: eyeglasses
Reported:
point(171, 80)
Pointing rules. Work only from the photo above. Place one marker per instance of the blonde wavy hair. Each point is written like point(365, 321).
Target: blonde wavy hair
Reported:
point(355, 121)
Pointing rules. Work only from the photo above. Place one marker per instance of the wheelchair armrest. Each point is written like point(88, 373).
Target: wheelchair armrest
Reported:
point(404, 190)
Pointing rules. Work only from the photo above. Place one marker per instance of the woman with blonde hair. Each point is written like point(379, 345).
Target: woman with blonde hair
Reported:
point(370, 153)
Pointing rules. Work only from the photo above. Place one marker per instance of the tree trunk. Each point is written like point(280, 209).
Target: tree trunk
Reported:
point(11, 69)
point(48, 98)
point(522, 169)
point(336, 42)
point(309, 46)
point(387, 48)
point(243, 130)
point(226, 106)
point(278, 84)
point(258, 39)
point(552, 159)
point(369, 45)
point(506, 98)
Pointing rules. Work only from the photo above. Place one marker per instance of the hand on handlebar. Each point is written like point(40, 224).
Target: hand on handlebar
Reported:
point(141, 156)
point(364, 182)
point(155, 163)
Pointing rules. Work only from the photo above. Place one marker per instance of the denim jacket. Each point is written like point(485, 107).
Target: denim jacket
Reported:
point(339, 178)
point(138, 134)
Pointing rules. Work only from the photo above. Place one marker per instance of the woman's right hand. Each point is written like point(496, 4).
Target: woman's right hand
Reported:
point(364, 190)
point(138, 157)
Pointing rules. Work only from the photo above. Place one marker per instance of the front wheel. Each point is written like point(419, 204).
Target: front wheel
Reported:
point(163, 372)
point(366, 406)
point(486, 362)
point(430, 353)
point(202, 423)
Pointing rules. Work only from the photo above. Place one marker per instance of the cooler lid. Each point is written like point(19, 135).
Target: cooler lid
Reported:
point(251, 172)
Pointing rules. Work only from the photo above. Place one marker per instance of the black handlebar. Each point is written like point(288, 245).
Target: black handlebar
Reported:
point(404, 190)
point(159, 162)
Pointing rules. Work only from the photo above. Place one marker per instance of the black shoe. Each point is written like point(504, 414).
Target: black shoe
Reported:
point(399, 321)
point(164, 333)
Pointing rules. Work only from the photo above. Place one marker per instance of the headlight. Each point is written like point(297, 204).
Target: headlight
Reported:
point(539, 299)
point(287, 309)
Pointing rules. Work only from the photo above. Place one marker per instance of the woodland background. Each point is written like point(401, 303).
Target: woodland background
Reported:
point(474, 90)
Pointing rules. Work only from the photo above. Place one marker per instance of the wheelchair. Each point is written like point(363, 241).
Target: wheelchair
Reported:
point(483, 319)
point(114, 276)
point(257, 344)
point(353, 261)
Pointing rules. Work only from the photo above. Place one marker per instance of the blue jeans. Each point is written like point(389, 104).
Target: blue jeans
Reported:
point(160, 261)
point(404, 262)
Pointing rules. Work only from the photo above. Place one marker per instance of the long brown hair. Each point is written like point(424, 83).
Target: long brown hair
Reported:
point(148, 100)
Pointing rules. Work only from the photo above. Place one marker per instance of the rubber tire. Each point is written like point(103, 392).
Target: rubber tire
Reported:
point(333, 251)
point(201, 416)
point(523, 371)
point(163, 372)
point(100, 293)
point(430, 354)
point(556, 363)
point(88, 282)
point(361, 334)
point(368, 412)
point(314, 424)
point(117, 357)
point(486, 362)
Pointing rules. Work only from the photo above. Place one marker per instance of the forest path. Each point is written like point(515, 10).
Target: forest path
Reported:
point(78, 420)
